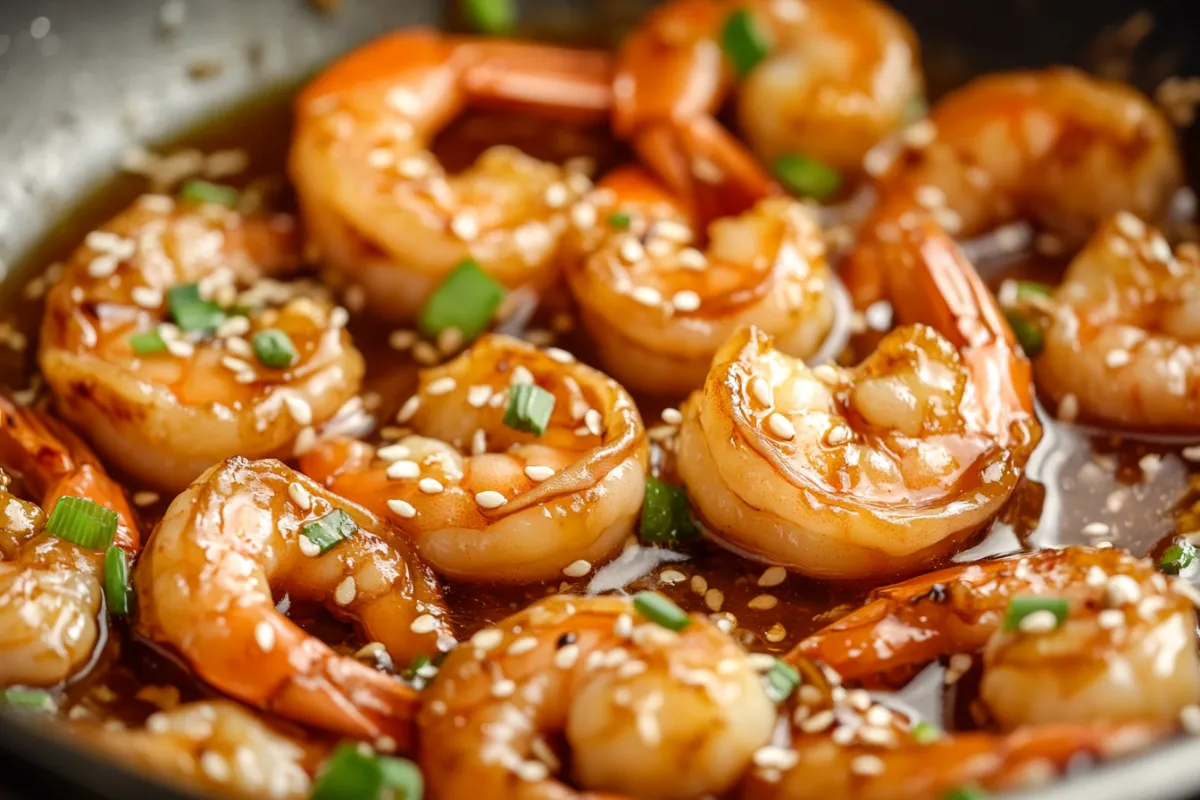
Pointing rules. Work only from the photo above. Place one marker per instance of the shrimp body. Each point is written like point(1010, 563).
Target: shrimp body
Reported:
point(838, 77)
point(658, 308)
point(166, 416)
point(872, 470)
point(230, 543)
point(1060, 147)
point(645, 711)
point(484, 501)
point(1123, 338)
point(380, 209)
point(51, 591)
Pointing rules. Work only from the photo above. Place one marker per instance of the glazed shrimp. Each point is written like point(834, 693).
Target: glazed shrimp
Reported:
point(227, 546)
point(201, 396)
point(51, 591)
point(519, 507)
point(1123, 344)
point(1055, 145)
point(658, 309)
point(644, 711)
point(1126, 650)
point(873, 470)
point(840, 75)
point(380, 209)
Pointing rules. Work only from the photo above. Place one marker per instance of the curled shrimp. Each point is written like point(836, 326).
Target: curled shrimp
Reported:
point(643, 711)
point(167, 415)
point(657, 308)
point(1122, 344)
point(381, 210)
point(51, 591)
point(839, 76)
point(520, 507)
point(873, 470)
point(207, 587)
point(1055, 145)
point(1126, 650)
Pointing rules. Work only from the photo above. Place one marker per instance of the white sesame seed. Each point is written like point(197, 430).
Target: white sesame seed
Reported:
point(402, 508)
point(671, 416)
point(345, 592)
point(1121, 590)
point(691, 258)
point(867, 765)
point(714, 599)
point(103, 265)
point(1068, 408)
point(1096, 529)
point(298, 408)
point(1129, 225)
point(300, 496)
point(761, 391)
point(477, 396)
point(264, 635)
point(430, 485)
point(149, 297)
point(426, 623)
point(402, 339)
point(523, 645)
point(521, 376)
point(532, 771)
point(774, 757)
point(441, 386)
point(490, 499)
point(238, 346)
point(465, 226)
point(403, 470)
point(671, 576)
point(450, 340)
point(686, 300)
point(583, 215)
point(632, 251)
point(594, 421)
point(646, 295)
point(308, 547)
point(215, 766)
point(818, 722)
point(539, 473)
point(772, 576)
point(781, 426)
point(412, 168)
point(577, 569)
point(1117, 358)
point(1192, 453)
point(145, 498)
point(393, 452)
point(338, 317)
point(233, 326)
point(557, 195)
point(763, 602)
point(1039, 621)
point(559, 355)
point(409, 408)
point(1095, 577)
point(180, 348)
point(1110, 618)
point(503, 688)
point(566, 656)
point(487, 639)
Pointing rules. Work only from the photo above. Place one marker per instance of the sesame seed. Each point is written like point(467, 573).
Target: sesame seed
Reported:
point(632, 251)
point(781, 426)
point(412, 168)
point(772, 576)
point(714, 599)
point(180, 348)
point(539, 473)
point(1117, 358)
point(103, 266)
point(818, 722)
point(1121, 590)
point(1110, 618)
point(773, 757)
point(532, 771)
point(763, 602)
point(298, 408)
point(521, 376)
point(401, 339)
point(403, 100)
point(1129, 225)
point(521, 646)
point(338, 317)
point(402, 508)
point(487, 639)
point(300, 496)
point(646, 295)
point(699, 584)
point(264, 635)
point(1191, 453)
point(441, 386)
point(309, 548)
point(149, 297)
point(584, 216)
point(345, 592)
point(691, 258)
point(306, 439)
point(490, 499)
point(686, 300)
point(238, 346)
point(478, 442)
point(594, 421)
point(878, 715)
point(577, 569)
point(401, 470)
point(671, 576)
point(503, 688)
point(426, 623)
point(867, 765)
point(430, 485)
point(671, 416)
point(215, 767)
point(761, 391)
point(393, 452)
point(1068, 408)
point(477, 396)
point(465, 226)
point(1039, 621)
point(557, 195)
point(145, 498)
point(1096, 529)
point(567, 656)
point(409, 408)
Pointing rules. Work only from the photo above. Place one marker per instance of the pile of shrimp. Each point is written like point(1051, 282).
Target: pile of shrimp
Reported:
point(194, 347)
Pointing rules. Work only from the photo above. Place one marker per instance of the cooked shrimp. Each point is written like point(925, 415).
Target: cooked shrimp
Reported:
point(1126, 650)
point(873, 470)
point(235, 539)
point(166, 416)
point(839, 76)
point(1123, 340)
point(643, 711)
point(1055, 145)
point(658, 309)
point(381, 211)
point(520, 507)
point(51, 591)
point(214, 746)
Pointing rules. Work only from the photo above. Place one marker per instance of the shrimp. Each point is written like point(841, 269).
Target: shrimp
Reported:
point(215, 746)
point(227, 546)
point(1123, 344)
point(644, 711)
point(658, 309)
point(380, 209)
point(1126, 650)
point(201, 395)
point(839, 76)
point(520, 507)
point(1055, 145)
point(873, 470)
point(51, 591)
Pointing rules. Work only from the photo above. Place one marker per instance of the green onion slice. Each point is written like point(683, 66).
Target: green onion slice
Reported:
point(926, 732)
point(744, 42)
point(491, 16)
point(666, 514)
point(806, 176)
point(205, 192)
point(466, 300)
point(353, 773)
point(148, 343)
point(620, 220)
point(1033, 290)
point(965, 793)
point(190, 312)
point(782, 680)
point(656, 608)
point(30, 699)
point(1021, 607)
point(274, 348)
point(529, 408)
point(83, 523)
point(1177, 557)
point(116, 581)
point(1029, 334)
point(403, 777)
point(330, 529)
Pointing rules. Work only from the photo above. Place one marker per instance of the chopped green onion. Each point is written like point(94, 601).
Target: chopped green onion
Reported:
point(1178, 556)
point(965, 793)
point(1033, 290)
point(148, 343)
point(354, 773)
point(1028, 334)
point(82, 522)
point(403, 777)
point(414, 666)
point(491, 16)
point(782, 680)
point(274, 348)
point(806, 176)
point(205, 192)
point(620, 220)
point(926, 732)
point(190, 312)
point(31, 699)
point(744, 42)
point(1021, 607)
point(330, 529)
point(466, 300)
point(529, 408)
point(656, 608)
point(666, 514)
point(915, 109)
point(116, 581)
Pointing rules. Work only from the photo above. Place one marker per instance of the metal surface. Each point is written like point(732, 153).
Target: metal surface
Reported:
point(83, 80)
